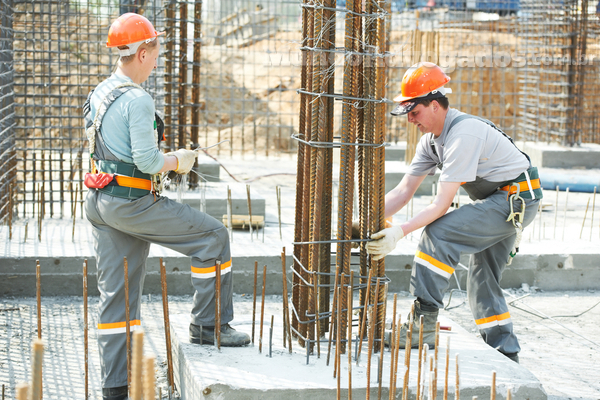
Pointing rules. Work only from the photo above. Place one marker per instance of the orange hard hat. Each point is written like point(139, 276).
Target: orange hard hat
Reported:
point(420, 80)
point(131, 28)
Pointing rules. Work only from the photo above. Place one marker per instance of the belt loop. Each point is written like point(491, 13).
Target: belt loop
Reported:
point(530, 187)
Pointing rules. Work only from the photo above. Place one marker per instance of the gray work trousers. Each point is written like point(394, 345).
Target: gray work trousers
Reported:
point(480, 229)
point(126, 228)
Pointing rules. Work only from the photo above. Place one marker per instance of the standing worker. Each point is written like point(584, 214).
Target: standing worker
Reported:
point(474, 154)
point(128, 214)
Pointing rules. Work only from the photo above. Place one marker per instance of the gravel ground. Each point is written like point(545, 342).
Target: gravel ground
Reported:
point(557, 332)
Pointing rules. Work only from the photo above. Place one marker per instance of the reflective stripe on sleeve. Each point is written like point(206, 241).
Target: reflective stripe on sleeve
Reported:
point(495, 320)
point(118, 327)
point(434, 265)
point(210, 272)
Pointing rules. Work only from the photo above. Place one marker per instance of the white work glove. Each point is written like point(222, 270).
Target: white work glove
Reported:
point(185, 160)
point(384, 242)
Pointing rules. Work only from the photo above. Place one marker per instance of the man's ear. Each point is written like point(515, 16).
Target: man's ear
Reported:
point(142, 55)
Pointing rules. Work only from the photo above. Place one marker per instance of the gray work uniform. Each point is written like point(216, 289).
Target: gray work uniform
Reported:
point(125, 227)
point(474, 153)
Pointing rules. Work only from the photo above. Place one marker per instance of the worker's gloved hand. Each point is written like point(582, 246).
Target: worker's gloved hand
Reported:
point(384, 242)
point(185, 160)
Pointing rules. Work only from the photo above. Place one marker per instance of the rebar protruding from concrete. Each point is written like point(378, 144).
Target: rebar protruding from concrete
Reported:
point(217, 330)
point(271, 337)
point(338, 339)
point(394, 364)
point(287, 331)
point(457, 390)
point(127, 321)
point(38, 294)
point(447, 367)
point(424, 367)
point(165, 301)
point(254, 300)
point(392, 345)
point(249, 211)
point(349, 336)
point(37, 358)
point(149, 385)
point(137, 352)
point(361, 328)
point(262, 309)
point(584, 216)
point(508, 394)
point(407, 355)
point(592, 217)
point(85, 329)
point(372, 338)
point(435, 359)
point(493, 388)
point(22, 391)
point(381, 318)
point(317, 324)
point(565, 215)
point(431, 386)
point(420, 356)
point(333, 311)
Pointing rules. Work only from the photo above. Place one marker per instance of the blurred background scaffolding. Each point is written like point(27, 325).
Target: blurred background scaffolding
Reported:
point(232, 69)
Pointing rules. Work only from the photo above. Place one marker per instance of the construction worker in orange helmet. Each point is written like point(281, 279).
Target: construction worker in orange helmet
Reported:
point(472, 153)
point(128, 213)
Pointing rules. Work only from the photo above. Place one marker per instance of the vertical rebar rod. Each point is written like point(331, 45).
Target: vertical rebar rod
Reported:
point(165, 302)
point(286, 311)
point(336, 327)
point(85, 329)
point(446, 369)
point(393, 345)
point(349, 335)
point(278, 191)
point(435, 359)
point(195, 106)
point(382, 338)
point(262, 309)
point(592, 216)
point(22, 391)
point(361, 329)
point(169, 61)
point(457, 387)
point(333, 310)
point(493, 386)
point(371, 339)
point(37, 358)
point(183, 62)
point(419, 369)
point(149, 386)
point(127, 321)
point(137, 352)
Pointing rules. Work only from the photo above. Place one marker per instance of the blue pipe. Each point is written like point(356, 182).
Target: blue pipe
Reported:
point(582, 182)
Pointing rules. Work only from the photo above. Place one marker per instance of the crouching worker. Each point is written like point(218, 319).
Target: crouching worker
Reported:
point(127, 212)
point(474, 154)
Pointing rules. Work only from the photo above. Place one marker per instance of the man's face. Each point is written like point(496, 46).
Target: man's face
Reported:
point(423, 117)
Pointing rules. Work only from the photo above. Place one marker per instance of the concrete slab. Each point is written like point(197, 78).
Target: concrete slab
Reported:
point(204, 372)
point(545, 155)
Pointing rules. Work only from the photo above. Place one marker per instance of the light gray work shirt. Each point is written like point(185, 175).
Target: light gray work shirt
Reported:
point(473, 149)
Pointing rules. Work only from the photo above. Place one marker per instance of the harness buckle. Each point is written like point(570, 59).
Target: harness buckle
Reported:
point(516, 217)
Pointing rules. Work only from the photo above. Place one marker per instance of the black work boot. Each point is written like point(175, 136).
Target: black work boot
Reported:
point(229, 336)
point(429, 322)
point(116, 393)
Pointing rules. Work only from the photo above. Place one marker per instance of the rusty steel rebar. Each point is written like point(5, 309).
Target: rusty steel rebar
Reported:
point(286, 310)
point(371, 335)
point(37, 358)
point(217, 330)
point(435, 358)
point(336, 326)
point(395, 361)
point(333, 310)
point(183, 63)
point(195, 100)
point(85, 329)
point(382, 338)
point(362, 327)
point(392, 344)
point(338, 342)
point(22, 391)
point(165, 302)
point(135, 390)
point(149, 385)
point(447, 368)
point(262, 309)
point(420, 355)
point(349, 336)
point(169, 67)
point(127, 320)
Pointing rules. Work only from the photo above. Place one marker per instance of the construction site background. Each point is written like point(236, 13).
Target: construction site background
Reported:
point(231, 70)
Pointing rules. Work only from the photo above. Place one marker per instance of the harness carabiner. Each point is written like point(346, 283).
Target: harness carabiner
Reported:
point(516, 217)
